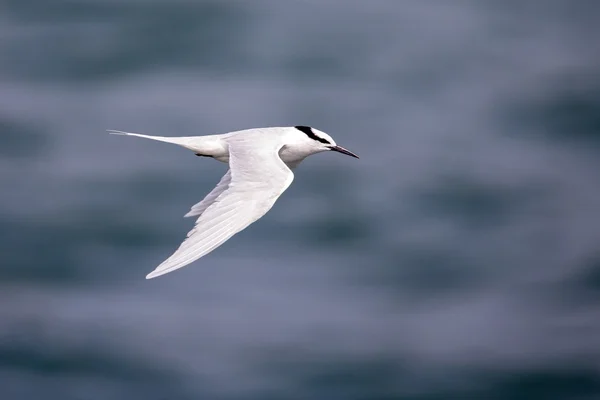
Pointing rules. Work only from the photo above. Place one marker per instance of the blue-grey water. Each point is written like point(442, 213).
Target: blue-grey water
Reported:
point(459, 258)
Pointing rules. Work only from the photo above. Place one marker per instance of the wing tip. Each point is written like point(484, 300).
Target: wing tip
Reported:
point(163, 270)
point(155, 274)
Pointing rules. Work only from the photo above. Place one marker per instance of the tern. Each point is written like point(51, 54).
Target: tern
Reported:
point(260, 161)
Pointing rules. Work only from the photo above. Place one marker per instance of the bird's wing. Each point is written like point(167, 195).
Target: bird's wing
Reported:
point(198, 208)
point(257, 178)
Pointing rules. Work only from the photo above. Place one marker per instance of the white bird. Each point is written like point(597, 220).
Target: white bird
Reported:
point(260, 162)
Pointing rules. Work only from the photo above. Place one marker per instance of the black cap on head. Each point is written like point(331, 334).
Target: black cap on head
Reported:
point(309, 132)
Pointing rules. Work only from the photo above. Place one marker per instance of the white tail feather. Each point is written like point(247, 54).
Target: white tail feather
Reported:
point(203, 145)
point(182, 141)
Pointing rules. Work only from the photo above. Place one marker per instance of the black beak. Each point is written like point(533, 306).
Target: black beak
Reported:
point(342, 150)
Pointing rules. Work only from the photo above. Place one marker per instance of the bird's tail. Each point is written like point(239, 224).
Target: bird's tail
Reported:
point(176, 140)
point(194, 143)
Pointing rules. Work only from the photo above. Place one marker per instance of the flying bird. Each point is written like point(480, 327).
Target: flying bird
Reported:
point(260, 162)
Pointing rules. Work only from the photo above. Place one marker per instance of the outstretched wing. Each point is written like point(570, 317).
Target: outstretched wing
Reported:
point(198, 208)
point(257, 177)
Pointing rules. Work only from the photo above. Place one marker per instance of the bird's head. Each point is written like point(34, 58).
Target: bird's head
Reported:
point(311, 141)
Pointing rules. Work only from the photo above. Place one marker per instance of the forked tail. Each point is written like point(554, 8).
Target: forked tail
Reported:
point(182, 141)
point(204, 145)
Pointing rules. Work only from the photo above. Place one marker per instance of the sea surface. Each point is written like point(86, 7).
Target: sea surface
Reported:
point(459, 258)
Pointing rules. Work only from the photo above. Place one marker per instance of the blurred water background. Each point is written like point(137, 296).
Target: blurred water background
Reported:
point(458, 259)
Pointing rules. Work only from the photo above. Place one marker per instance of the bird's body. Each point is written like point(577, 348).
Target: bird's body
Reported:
point(260, 170)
